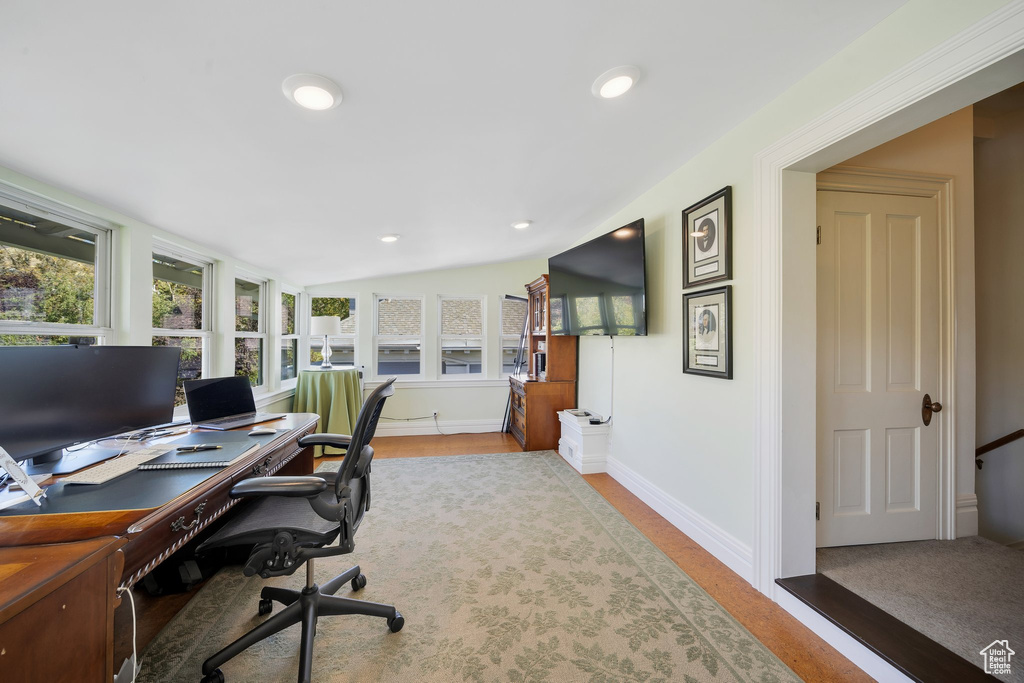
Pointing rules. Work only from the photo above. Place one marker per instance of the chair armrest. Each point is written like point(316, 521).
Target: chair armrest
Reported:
point(332, 440)
point(291, 487)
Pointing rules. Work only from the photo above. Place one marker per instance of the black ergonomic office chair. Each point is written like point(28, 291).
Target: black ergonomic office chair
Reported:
point(291, 523)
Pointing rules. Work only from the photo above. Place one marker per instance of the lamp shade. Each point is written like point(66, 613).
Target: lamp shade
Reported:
point(329, 325)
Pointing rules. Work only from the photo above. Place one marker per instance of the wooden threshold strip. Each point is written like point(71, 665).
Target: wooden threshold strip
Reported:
point(911, 652)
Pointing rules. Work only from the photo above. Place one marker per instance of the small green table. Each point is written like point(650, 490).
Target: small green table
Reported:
point(334, 395)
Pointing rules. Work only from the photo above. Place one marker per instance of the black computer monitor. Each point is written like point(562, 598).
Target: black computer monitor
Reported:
point(52, 397)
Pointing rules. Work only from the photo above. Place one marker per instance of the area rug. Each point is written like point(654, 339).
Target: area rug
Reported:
point(963, 594)
point(507, 567)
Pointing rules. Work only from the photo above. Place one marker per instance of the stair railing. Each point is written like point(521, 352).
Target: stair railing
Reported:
point(992, 445)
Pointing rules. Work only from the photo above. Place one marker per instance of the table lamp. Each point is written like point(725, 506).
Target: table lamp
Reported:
point(328, 326)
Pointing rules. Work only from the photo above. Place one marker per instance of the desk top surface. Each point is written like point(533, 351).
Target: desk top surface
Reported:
point(150, 489)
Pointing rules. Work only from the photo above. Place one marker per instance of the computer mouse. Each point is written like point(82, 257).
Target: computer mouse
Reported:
point(262, 430)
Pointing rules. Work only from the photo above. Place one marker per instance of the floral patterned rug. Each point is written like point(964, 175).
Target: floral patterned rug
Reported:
point(507, 567)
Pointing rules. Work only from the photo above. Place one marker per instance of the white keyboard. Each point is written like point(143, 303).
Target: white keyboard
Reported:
point(115, 467)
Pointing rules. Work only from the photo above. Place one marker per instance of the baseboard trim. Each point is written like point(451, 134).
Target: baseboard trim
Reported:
point(966, 515)
point(732, 552)
point(1016, 545)
point(426, 427)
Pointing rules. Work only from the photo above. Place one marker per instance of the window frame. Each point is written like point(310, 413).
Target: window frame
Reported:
point(441, 338)
point(205, 333)
point(377, 339)
point(308, 339)
point(502, 337)
point(261, 327)
point(297, 335)
point(105, 233)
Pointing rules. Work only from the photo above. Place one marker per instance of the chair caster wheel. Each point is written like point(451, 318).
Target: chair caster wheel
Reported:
point(266, 606)
point(396, 622)
point(215, 676)
point(359, 582)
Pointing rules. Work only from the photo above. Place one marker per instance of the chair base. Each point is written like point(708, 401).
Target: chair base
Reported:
point(305, 607)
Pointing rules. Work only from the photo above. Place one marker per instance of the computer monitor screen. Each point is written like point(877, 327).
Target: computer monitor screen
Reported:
point(56, 396)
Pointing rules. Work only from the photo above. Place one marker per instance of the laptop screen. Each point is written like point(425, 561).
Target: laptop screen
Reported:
point(210, 399)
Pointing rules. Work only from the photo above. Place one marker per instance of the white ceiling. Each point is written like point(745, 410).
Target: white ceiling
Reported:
point(459, 116)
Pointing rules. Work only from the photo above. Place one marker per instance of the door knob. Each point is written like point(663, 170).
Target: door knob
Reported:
point(927, 408)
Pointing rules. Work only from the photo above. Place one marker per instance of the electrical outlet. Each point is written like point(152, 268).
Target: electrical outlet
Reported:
point(435, 414)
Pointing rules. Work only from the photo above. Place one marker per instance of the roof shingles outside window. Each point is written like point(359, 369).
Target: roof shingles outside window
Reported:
point(461, 317)
point(399, 317)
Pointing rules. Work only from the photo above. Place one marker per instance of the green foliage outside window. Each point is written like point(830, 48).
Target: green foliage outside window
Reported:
point(330, 306)
point(40, 288)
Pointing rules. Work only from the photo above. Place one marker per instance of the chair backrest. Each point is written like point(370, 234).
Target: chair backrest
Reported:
point(366, 426)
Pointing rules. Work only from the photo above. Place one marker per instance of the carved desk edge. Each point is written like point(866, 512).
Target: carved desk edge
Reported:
point(150, 539)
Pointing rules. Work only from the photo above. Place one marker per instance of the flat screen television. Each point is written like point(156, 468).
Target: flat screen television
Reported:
point(600, 287)
point(52, 397)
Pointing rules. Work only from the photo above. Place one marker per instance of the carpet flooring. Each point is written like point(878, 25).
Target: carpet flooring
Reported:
point(963, 594)
point(507, 567)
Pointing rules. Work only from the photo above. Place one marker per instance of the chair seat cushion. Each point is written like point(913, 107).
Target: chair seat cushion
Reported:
point(260, 521)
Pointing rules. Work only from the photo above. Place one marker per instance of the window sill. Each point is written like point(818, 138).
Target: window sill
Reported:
point(443, 383)
point(265, 399)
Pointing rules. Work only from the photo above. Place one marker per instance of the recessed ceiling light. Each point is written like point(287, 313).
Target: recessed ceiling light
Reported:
point(615, 82)
point(521, 225)
point(389, 238)
point(312, 91)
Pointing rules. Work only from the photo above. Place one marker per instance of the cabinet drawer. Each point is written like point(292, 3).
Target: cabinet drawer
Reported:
point(519, 421)
point(518, 402)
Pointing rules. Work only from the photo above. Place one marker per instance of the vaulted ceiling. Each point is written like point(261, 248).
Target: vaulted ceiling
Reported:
point(459, 116)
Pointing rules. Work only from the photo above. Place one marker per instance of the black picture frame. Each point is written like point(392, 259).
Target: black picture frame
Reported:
point(707, 240)
point(708, 343)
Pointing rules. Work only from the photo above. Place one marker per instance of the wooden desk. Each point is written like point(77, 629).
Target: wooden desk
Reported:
point(57, 610)
point(59, 570)
point(192, 500)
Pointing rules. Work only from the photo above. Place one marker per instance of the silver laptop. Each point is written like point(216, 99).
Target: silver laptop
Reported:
point(223, 403)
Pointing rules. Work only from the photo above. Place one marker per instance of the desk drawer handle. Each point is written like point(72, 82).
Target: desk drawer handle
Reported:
point(179, 523)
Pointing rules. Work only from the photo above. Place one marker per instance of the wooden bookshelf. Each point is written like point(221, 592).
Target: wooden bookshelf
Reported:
point(547, 383)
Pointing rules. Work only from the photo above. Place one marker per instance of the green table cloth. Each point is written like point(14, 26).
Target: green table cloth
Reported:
point(334, 395)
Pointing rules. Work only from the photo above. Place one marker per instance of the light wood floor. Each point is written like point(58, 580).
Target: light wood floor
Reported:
point(808, 655)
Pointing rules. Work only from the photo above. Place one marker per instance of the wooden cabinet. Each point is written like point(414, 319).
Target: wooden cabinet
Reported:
point(547, 383)
point(57, 610)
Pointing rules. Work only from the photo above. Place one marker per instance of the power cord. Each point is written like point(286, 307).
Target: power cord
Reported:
point(611, 389)
point(135, 656)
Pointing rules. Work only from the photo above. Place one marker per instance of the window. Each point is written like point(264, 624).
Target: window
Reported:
point(343, 347)
point(53, 279)
point(461, 335)
point(180, 310)
point(289, 335)
point(513, 320)
point(250, 329)
point(398, 336)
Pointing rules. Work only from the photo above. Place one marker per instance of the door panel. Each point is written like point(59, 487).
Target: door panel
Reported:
point(878, 352)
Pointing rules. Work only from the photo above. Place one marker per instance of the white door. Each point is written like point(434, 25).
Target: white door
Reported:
point(878, 355)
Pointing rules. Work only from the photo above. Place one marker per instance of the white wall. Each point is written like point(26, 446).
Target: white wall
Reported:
point(999, 212)
point(462, 404)
point(688, 440)
point(946, 147)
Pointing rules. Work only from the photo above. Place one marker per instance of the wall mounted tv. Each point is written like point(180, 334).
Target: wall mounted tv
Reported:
point(600, 286)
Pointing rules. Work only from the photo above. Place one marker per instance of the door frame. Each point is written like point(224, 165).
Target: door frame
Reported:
point(977, 62)
point(940, 188)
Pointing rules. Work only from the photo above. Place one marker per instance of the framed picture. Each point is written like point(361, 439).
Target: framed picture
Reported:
point(708, 316)
point(707, 240)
